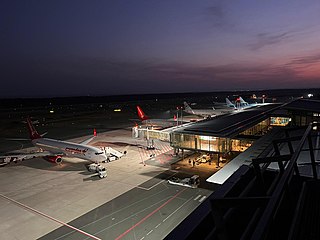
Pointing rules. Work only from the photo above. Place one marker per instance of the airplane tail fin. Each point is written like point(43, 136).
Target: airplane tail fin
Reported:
point(32, 131)
point(229, 103)
point(187, 108)
point(242, 101)
point(141, 114)
point(86, 141)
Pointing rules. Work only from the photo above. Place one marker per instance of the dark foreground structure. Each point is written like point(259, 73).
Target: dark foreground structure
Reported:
point(265, 202)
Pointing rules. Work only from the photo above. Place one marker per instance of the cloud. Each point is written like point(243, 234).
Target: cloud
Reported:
point(94, 76)
point(216, 12)
point(217, 16)
point(178, 77)
point(306, 66)
point(312, 59)
point(267, 39)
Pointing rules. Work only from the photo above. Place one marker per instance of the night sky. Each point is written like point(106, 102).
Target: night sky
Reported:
point(80, 48)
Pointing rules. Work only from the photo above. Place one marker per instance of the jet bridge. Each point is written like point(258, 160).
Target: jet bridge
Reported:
point(149, 134)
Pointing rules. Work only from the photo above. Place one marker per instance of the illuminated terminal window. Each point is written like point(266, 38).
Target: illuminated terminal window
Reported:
point(198, 142)
point(258, 129)
point(225, 145)
point(209, 143)
point(279, 121)
point(240, 145)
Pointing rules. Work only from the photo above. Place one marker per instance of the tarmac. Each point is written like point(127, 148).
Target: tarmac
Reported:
point(41, 200)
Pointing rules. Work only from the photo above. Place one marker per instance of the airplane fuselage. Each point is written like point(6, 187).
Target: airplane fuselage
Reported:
point(159, 123)
point(70, 149)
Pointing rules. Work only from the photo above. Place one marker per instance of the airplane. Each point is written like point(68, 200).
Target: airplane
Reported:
point(155, 123)
point(206, 112)
point(223, 105)
point(242, 104)
point(54, 150)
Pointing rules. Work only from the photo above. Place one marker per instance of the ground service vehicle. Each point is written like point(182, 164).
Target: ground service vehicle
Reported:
point(192, 182)
point(94, 167)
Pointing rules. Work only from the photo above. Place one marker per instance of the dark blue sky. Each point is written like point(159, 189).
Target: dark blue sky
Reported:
point(72, 48)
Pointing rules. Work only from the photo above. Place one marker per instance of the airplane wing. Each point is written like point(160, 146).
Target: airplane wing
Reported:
point(7, 159)
point(18, 139)
point(85, 142)
point(24, 139)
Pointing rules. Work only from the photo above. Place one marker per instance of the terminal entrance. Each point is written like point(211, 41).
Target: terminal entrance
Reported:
point(203, 164)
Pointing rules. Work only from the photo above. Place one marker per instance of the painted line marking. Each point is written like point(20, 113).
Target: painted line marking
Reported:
point(158, 225)
point(149, 215)
point(197, 197)
point(49, 217)
point(150, 232)
point(147, 189)
point(123, 220)
point(123, 209)
point(203, 198)
point(142, 238)
point(176, 210)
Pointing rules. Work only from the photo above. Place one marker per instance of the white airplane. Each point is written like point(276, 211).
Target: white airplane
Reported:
point(224, 105)
point(242, 104)
point(54, 150)
point(206, 112)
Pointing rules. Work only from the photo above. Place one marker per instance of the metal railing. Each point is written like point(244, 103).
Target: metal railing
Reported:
point(282, 187)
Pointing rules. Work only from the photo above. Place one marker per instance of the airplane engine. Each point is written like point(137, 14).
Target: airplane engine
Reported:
point(54, 159)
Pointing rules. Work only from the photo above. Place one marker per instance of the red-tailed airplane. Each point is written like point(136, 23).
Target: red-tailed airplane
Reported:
point(155, 122)
point(54, 150)
point(242, 104)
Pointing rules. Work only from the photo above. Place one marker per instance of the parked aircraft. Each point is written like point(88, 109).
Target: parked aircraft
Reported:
point(242, 104)
point(207, 112)
point(155, 122)
point(54, 150)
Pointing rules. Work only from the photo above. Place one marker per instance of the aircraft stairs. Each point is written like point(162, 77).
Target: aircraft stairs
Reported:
point(113, 152)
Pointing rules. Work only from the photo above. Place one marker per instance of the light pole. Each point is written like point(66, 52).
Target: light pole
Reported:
point(177, 116)
point(181, 114)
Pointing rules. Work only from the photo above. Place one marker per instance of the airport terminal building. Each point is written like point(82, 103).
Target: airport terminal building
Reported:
point(227, 133)
point(237, 131)
point(276, 194)
point(233, 138)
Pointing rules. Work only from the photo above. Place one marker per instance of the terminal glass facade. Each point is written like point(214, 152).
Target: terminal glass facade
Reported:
point(303, 118)
point(150, 134)
point(258, 129)
point(279, 121)
point(223, 145)
point(208, 143)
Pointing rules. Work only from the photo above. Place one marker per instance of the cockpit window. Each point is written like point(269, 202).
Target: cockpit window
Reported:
point(99, 153)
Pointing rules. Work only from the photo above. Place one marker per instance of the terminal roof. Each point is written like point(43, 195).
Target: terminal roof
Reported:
point(230, 125)
point(306, 105)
